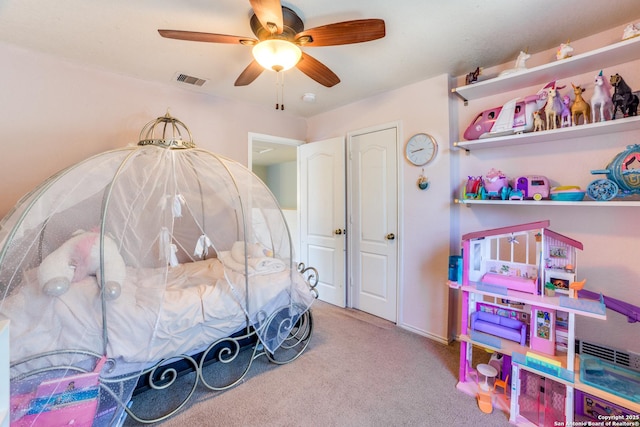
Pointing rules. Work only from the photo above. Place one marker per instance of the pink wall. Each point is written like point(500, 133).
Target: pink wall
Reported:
point(54, 113)
point(425, 215)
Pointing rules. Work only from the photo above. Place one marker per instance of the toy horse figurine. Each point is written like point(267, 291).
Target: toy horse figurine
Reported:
point(565, 115)
point(580, 106)
point(553, 109)
point(538, 123)
point(472, 77)
point(623, 98)
point(601, 100)
point(520, 64)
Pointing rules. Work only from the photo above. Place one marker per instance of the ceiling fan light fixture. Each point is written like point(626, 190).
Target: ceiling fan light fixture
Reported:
point(277, 54)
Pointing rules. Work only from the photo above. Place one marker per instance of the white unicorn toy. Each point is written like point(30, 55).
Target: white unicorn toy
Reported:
point(520, 64)
point(601, 101)
point(630, 31)
point(564, 51)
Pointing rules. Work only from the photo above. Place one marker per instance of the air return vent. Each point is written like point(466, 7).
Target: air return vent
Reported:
point(615, 356)
point(195, 81)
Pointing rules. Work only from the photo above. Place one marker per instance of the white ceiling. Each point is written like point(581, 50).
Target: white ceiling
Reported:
point(424, 38)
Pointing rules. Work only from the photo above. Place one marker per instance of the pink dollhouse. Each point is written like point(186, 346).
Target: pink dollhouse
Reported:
point(515, 302)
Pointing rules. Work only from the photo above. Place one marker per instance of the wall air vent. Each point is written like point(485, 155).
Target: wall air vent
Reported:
point(184, 78)
point(617, 357)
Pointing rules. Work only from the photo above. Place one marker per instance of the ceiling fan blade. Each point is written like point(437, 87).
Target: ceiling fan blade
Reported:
point(317, 71)
point(347, 32)
point(268, 12)
point(206, 37)
point(249, 74)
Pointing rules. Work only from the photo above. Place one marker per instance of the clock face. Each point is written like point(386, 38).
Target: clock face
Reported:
point(421, 149)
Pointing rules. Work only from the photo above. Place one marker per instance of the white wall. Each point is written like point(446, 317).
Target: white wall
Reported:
point(420, 107)
point(54, 113)
point(291, 216)
point(282, 180)
point(611, 235)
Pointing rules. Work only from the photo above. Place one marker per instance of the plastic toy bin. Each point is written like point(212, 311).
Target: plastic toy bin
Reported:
point(606, 376)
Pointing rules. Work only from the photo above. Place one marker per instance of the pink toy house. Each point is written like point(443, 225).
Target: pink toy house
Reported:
point(505, 309)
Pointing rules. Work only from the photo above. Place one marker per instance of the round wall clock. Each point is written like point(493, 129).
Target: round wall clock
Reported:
point(421, 149)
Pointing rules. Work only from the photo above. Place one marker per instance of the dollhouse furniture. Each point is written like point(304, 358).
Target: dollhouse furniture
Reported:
point(471, 372)
point(575, 287)
point(516, 283)
point(501, 383)
point(500, 326)
point(484, 402)
point(487, 371)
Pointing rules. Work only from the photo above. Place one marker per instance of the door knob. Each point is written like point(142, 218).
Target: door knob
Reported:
point(337, 231)
point(390, 236)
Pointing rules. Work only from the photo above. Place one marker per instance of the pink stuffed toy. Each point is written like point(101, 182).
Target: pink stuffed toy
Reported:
point(78, 258)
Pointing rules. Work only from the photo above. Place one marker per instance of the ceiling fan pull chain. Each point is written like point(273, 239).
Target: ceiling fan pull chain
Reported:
point(281, 91)
point(277, 95)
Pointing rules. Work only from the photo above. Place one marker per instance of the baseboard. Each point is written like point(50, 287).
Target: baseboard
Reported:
point(426, 334)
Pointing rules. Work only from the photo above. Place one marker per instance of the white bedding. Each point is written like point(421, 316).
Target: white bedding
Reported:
point(150, 320)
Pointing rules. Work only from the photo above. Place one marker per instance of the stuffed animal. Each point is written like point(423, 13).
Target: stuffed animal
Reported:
point(78, 258)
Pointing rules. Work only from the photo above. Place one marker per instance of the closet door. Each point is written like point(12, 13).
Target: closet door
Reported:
point(373, 221)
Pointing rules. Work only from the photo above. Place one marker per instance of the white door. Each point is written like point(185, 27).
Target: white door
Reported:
point(322, 215)
point(373, 221)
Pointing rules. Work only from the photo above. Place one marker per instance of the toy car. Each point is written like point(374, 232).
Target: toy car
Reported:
point(534, 187)
point(516, 194)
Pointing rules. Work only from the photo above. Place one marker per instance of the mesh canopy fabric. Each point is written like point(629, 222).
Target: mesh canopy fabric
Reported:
point(141, 254)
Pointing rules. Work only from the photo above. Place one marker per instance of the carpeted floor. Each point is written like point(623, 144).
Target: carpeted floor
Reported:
point(358, 370)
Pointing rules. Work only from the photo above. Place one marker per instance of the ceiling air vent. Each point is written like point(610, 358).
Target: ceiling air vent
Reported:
point(615, 356)
point(184, 78)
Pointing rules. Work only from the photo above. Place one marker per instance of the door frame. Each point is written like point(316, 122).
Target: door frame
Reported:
point(278, 140)
point(400, 207)
point(271, 139)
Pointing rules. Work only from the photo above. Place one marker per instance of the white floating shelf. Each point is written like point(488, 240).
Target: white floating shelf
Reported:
point(617, 203)
point(597, 59)
point(580, 131)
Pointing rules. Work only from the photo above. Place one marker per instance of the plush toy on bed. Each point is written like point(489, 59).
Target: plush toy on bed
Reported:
point(78, 258)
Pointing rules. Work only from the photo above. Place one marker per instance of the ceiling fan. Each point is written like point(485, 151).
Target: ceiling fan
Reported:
point(279, 30)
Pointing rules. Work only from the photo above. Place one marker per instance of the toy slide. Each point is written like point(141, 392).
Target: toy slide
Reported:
point(631, 311)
